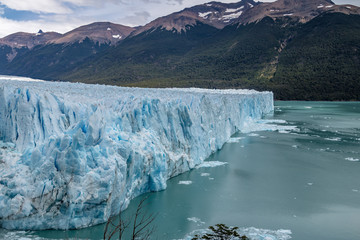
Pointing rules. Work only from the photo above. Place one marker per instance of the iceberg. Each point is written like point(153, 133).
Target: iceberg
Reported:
point(72, 154)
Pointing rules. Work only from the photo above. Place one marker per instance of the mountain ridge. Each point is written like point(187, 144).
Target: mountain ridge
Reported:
point(184, 50)
point(216, 14)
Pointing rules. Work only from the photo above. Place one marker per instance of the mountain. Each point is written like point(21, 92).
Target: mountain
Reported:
point(298, 49)
point(301, 10)
point(45, 55)
point(215, 14)
point(101, 32)
point(29, 40)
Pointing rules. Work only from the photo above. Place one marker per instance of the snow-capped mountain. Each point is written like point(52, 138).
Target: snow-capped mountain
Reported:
point(215, 14)
point(102, 32)
point(300, 10)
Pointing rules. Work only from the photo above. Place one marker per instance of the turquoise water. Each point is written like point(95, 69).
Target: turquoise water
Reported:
point(306, 180)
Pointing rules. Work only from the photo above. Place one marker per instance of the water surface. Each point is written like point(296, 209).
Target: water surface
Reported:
point(305, 179)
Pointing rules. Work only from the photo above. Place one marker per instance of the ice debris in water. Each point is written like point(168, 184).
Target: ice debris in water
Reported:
point(19, 235)
point(185, 182)
point(352, 159)
point(196, 220)
point(209, 164)
point(268, 125)
point(334, 139)
point(235, 139)
point(252, 233)
point(74, 154)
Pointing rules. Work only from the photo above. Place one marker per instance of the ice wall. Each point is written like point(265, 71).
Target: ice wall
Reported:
point(71, 155)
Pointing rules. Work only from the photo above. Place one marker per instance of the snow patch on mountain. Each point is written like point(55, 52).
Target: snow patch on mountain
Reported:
point(231, 10)
point(231, 16)
point(118, 36)
point(204, 15)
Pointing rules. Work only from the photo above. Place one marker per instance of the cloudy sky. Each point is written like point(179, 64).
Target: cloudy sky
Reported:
point(65, 15)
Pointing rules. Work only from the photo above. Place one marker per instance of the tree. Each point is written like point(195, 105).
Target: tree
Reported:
point(221, 232)
point(141, 226)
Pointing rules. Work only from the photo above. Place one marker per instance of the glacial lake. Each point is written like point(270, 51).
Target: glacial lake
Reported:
point(306, 180)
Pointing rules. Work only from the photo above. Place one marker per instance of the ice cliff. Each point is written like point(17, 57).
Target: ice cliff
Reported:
point(71, 154)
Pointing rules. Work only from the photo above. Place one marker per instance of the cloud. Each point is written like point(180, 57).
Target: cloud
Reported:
point(55, 6)
point(44, 6)
point(178, 1)
point(151, 1)
point(59, 24)
point(135, 19)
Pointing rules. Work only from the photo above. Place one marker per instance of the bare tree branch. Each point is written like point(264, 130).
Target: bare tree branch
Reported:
point(140, 229)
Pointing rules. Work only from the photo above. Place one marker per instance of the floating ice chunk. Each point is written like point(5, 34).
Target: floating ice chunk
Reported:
point(267, 125)
point(252, 233)
point(310, 184)
point(334, 139)
point(209, 164)
point(235, 140)
point(352, 159)
point(355, 190)
point(19, 235)
point(185, 182)
point(205, 174)
point(308, 107)
point(253, 135)
point(288, 14)
point(284, 131)
point(268, 121)
point(196, 220)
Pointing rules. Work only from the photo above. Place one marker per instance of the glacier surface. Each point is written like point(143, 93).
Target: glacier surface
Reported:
point(72, 155)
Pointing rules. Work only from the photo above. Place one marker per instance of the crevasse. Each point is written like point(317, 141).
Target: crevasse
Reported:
point(72, 155)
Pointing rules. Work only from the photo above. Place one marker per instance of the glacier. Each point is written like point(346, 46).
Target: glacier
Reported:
point(73, 154)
